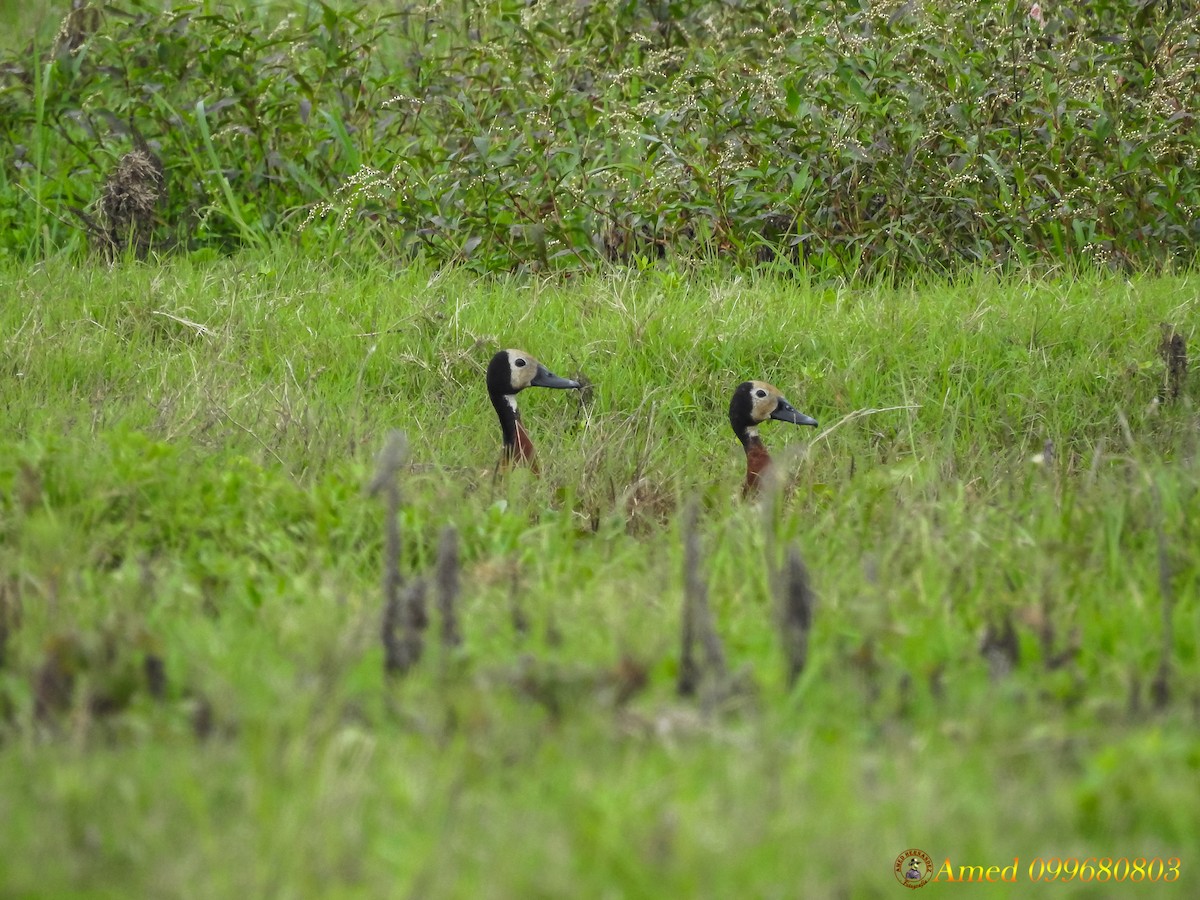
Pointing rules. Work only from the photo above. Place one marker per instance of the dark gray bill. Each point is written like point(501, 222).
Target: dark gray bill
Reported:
point(785, 412)
point(546, 378)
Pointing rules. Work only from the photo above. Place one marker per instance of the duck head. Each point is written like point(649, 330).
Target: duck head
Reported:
point(509, 373)
point(753, 403)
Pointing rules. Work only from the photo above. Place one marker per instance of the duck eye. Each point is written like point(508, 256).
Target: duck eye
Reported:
point(519, 362)
point(760, 393)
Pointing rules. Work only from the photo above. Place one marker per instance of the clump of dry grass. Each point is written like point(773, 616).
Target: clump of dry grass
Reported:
point(698, 633)
point(1173, 350)
point(127, 212)
point(1000, 646)
point(448, 587)
point(83, 20)
point(96, 673)
point(404, 615)
point(130, 201)
point(795, 614)
point(1160, 685)
point(10, 615)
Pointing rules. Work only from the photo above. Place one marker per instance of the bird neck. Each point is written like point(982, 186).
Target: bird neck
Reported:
point(518, 448)
point(758, 460)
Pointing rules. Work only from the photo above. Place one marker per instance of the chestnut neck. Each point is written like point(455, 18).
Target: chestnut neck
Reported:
point(758, 460)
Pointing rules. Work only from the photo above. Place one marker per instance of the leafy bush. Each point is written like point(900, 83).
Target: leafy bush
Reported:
point(251, 118)
point(888, 137)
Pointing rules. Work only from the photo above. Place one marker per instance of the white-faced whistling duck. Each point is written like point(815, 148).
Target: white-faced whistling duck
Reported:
point(509, 373)
point(753, 403)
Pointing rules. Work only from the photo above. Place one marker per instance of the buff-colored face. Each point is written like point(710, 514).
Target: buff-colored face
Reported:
point(523, 368)
point(764, 400)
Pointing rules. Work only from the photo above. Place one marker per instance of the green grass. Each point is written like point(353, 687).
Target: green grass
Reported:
point(183, 454)
point(22, 20)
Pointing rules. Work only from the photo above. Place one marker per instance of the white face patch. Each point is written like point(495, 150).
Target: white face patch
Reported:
point(522, 369)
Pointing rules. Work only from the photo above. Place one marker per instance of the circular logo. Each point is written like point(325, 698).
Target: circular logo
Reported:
point(914, 868)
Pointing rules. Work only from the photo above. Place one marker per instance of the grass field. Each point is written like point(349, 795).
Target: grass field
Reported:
point(996, 513)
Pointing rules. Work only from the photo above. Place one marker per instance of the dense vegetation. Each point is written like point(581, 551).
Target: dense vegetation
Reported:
point(886, 137)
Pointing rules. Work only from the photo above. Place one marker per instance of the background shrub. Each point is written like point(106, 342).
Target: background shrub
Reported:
point(886, 138)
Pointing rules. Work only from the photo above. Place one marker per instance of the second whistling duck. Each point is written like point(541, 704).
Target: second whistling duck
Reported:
point(509, 373)
point(753, 403)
